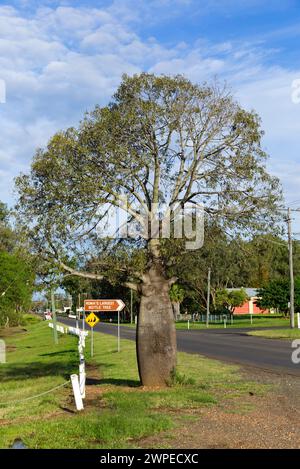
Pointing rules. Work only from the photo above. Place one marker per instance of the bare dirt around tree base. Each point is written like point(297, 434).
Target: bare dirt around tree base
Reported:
point(254, 421)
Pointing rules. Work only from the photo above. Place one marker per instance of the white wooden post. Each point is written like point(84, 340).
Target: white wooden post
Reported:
point(2, 351)
point(82, 377)
point(76, 391)
point(251, 310)
point(82, 374)
point(298, 320)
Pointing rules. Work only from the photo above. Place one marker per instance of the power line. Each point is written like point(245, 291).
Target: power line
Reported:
point(291, 265)
point(294, 202)
point(292, 287)
point(208, 297)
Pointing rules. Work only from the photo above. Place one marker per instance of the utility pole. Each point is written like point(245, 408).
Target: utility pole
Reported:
point(78, 312)
point(131, 304)
point(208, 297)
point(292, 286)
point(54, 317)
point(291, 267)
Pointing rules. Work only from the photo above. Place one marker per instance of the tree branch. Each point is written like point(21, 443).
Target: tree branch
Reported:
point(78, 273)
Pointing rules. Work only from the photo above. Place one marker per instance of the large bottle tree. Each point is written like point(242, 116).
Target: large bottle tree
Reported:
point(161, 143)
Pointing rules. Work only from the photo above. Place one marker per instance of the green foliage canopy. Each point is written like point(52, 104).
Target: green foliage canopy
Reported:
point(16, 286)
point(230, 299)
point(276, 294)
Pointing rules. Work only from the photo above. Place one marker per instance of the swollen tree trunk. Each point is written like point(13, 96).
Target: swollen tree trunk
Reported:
point(156, 334)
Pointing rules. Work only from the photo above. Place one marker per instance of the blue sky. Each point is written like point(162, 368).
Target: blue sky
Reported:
point(59, 58)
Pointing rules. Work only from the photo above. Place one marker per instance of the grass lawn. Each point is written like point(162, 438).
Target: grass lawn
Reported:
point(277, 334)
point(237, 323)
point(118, 412)
point(258, 321)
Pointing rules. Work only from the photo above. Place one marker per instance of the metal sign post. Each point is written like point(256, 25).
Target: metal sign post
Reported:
point(208, 297)
point(119, 347)
point(54, 317)
point(92, 320)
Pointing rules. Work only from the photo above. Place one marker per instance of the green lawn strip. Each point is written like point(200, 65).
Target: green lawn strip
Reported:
point(237, 323)
point(122, 411)
point(35, 365)
point(277, 334)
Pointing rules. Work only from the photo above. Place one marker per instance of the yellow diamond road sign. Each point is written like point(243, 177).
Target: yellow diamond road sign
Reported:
point(92, 319)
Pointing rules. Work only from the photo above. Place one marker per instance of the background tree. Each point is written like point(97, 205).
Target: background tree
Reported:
point(235, 263)
point(161, 143)
point(177, 295)
point(16, 273)
point(297, 294)
point(276, 295)
point(7, 236)
point(16, 287)
point(78, 288)
point(227, 258)
point(268, 259)
point(229, 300)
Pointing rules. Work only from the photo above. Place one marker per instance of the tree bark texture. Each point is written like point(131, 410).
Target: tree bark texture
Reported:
point(156, 334)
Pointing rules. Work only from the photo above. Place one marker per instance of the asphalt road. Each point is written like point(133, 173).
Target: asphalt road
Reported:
point(230, 345)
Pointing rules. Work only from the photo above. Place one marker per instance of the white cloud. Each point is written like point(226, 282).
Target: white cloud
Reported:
point(57, 63)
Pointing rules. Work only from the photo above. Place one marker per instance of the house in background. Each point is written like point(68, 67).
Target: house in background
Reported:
point(250, 306)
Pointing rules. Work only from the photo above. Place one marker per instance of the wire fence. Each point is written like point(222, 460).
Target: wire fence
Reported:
point(36, 396)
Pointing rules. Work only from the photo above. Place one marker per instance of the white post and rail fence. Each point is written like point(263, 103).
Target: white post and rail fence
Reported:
point(90, 306)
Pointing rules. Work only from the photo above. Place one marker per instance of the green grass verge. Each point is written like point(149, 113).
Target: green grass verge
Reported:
point(277, 334)
point(238, 323)
point(28, 319)
point(118, 412)
point(258, 321)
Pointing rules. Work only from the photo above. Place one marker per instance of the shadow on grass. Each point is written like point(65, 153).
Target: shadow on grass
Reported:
point(66, 409)
point(53, 354)
point(37, 370)
point(132, 383)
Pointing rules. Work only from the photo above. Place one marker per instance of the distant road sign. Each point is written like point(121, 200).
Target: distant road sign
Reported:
point(103, 305)
point(92, 320)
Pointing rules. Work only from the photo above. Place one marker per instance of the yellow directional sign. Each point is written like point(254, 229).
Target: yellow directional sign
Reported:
point(92, 319)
